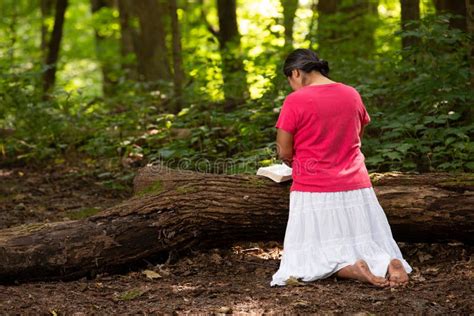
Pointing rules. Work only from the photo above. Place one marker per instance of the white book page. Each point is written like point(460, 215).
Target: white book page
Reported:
point(276, 172)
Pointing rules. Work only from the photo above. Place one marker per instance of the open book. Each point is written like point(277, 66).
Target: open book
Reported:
point(276, 172)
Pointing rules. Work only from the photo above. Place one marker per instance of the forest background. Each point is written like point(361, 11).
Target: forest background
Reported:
point(198, 84)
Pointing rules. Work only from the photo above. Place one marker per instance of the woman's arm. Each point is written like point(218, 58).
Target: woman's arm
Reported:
point(284, 142)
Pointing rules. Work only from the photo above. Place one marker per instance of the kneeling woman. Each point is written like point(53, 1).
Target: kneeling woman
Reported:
point(336, 224)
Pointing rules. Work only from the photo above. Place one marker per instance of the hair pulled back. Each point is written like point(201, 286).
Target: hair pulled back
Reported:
point(305, 60)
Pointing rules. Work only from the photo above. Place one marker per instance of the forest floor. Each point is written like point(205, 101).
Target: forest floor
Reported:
point(215, 281)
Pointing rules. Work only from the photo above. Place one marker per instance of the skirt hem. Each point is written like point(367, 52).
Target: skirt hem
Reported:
point(326, 232)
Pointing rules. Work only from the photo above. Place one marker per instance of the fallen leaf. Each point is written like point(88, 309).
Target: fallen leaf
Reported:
point(19, 197)
point(151, 274)
point(300, 303)
point(292, 281)
point(132, 294)
point(224, 310)
point(432, 271)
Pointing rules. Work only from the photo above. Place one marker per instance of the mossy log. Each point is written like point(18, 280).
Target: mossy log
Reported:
point(173, 210)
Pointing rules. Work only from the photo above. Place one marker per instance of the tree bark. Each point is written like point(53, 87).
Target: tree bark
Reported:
point(128, 36)
point(410, 12)
point(346, 28)
point(173, 210)
point(102, 45)
point(151, 49)
point(326, 31)
point(289, 11)
point(457, 7)
point(54, 44)
point(46, 7)
point(470, 29)
point(178, 73)
point(235, 81)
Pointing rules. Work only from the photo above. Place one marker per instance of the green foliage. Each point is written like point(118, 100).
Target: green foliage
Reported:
point(417, 142)
point(432, 76)
point(212, 140)
point(349, 32)
point(419, 98)
point(423, 104)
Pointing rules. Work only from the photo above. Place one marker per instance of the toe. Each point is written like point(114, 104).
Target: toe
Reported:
point(381, 282)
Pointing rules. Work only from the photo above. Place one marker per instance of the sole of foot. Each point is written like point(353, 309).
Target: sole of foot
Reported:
point(363, 273)
point(397, 276)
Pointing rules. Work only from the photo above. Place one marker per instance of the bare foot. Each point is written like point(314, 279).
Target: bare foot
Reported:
point(360, 271)
point(396, 273)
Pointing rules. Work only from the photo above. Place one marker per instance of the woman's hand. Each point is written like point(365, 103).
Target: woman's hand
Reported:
point(284, 142)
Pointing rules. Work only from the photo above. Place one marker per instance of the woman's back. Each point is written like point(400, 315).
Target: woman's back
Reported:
point(326, 121)
point(337, 227)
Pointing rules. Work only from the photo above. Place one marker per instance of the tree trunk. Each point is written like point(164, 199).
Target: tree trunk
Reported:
point(410, 12)
point(311, 34)
point(151, 50)
point(470, 29)
point(178, 73)
point(127, 38)
point(289, 11)
point(235, 82)
point(326, 31)
point(54, 44)
point(457, 7)
point(346, 28)
point(12, 33)
point(176, 209)
point(46, 7)
point(103, 46)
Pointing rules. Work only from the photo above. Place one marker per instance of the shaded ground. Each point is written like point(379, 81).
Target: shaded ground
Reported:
point(29, 195)
point(235, 279)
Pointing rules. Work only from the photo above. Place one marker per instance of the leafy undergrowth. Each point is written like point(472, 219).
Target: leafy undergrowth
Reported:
point(228, 280)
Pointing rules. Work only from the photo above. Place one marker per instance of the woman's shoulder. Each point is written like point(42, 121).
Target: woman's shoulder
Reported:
point(303, 93)
point(293, 96)
point(348, 90)
point(348, 87)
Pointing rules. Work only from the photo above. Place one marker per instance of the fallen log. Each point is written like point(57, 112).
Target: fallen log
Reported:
point(173, 210)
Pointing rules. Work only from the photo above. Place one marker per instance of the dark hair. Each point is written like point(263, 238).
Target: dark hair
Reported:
point(306, 60)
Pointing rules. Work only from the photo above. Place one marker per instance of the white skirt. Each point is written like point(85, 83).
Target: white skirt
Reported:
point(327, 231)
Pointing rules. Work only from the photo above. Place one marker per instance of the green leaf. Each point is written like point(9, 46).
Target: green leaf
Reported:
point(469, 165)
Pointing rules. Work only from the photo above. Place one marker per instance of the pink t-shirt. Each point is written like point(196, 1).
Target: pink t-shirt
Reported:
point(326, 121)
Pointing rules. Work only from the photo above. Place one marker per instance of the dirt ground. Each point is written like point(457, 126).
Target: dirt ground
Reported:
point(216, 281)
